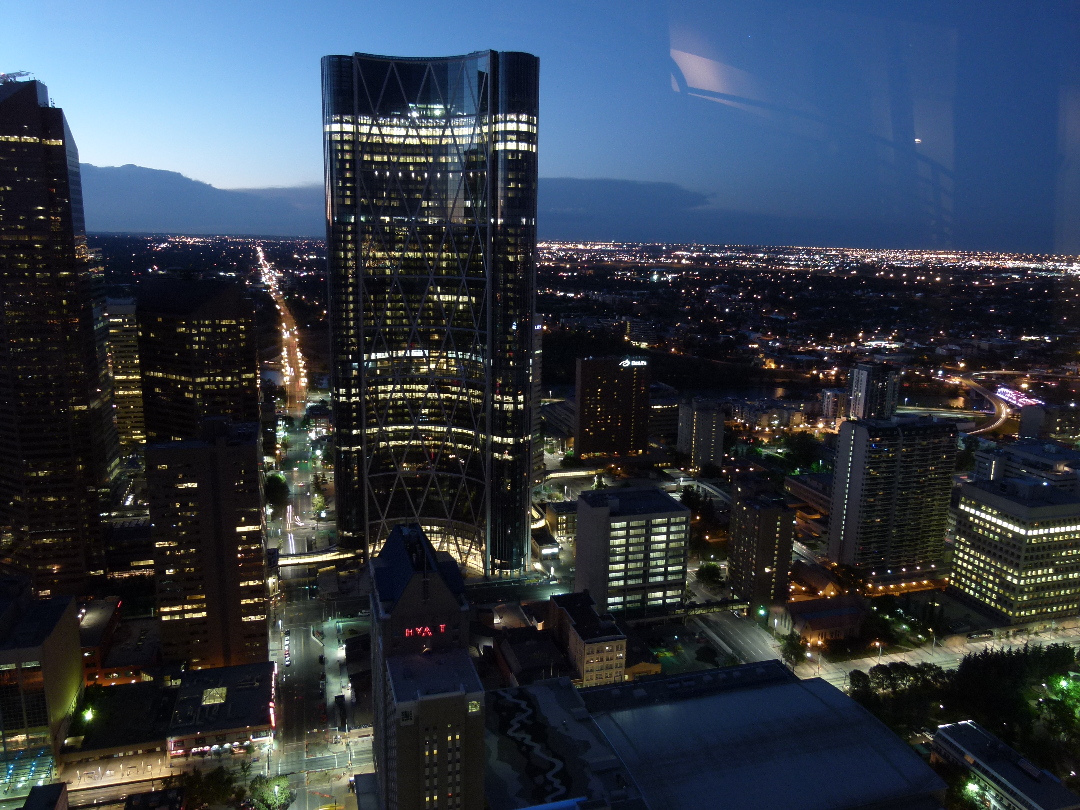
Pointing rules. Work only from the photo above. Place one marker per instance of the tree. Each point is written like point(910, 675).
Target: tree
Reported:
point(270, 792)
point(318, 504)
point(215, 787)
point(276, 491)
point(792, 649)
point(708, 574)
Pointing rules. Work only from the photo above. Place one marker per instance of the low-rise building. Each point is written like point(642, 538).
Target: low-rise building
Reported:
point(818, 621)
point(1001, 779)
point(593, 643)
point(561, 519)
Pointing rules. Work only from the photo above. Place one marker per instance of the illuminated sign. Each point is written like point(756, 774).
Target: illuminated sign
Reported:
point(630, 361)
point(424, 631)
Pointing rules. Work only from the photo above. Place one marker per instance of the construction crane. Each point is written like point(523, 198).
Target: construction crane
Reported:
point(7, 78)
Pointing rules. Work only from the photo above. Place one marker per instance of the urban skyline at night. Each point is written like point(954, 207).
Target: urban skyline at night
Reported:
point(658, 404)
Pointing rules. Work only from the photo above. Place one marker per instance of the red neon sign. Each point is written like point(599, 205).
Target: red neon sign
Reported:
point(424, 631)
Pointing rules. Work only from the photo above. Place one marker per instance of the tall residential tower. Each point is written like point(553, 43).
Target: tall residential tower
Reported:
point(431, 190)
point(58, 449)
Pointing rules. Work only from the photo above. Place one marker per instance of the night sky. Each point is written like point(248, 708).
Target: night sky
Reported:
point(887, 124)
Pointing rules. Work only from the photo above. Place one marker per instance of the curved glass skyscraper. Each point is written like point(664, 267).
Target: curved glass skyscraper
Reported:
point(431, 201)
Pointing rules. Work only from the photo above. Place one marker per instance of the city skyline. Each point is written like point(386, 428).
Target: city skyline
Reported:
point(846, 125)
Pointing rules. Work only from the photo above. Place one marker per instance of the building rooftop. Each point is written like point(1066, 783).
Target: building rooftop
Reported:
point(562, 507)
point(223, 698)
point(756, 736)
point(168, 799)
point(406, 552)
point(626, 502)
point(33, 621)
point(420, 675)
point(94, 618)
point(136, 643)
point(46, 797)
point(1005, 767)
point(543, 748)
point(1025, 492)
point(590, 625)
point(186, 297)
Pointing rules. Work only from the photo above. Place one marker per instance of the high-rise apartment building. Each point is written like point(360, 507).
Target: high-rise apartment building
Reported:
point(874, 391)
point(58, 452)
point(123, 343)
point(701, 432)
point(428, 730)
point(1018, 548)
point(210, 562)
point(612, 406)
point(198, 355)
point(631, 549)
point(431, 191)
point(890, 497)
point(761, 534)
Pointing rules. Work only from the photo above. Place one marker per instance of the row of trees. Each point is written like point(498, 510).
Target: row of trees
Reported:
point(222, 787)
point(1024, 695)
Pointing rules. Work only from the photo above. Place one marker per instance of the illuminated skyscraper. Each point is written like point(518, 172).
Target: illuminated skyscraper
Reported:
point(198, 355)
point(127, 381)
point(58, 449)
point(873, 391)
point(612, 406)
point(431, 188)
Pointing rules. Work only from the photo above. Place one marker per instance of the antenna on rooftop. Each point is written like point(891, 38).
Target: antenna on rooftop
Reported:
point(8, 78)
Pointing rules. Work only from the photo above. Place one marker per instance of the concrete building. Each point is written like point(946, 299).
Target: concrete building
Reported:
point(198, 355)
point(428, 701)
point(701, 432)
point(890, 498)
point(1056, 463)
point(210, 560)
point(762, 532)
point(631, 549)
point(123, 343)
point(874, 390)
point(1003, 779)
point(612, 406)
point(818, 621)
point(594, 644)
point(1017, 549)
point(47, 797)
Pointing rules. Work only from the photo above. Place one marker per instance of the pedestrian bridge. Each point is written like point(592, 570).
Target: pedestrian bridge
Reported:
point(322, 557)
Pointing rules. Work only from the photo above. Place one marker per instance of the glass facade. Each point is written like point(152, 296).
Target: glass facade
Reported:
point(58, 445)
point(431, 186)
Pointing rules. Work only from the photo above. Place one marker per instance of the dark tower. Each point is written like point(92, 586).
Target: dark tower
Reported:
point(431, 189)
point(58, 444)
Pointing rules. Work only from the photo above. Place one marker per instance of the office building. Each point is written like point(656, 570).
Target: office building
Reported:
point(431, 195)
point(58, 452)
point(761, 534)
point(561, 519)
point(701, 432)
point(612, 406)
point(631, 549)
point(890, 498)
point(198, 355)
point(1055, 463)
point(1017, 549)
point(594, 644)
point(123, 343)
point(40, 683)
point(428, 730)
point(874, 390)
point(1001, 778)
point(209, 559)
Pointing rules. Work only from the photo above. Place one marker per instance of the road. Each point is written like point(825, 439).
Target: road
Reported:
point(293, 369)
point(1001, 408)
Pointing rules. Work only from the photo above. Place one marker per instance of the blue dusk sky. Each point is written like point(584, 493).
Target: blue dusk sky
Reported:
point(835, 122)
